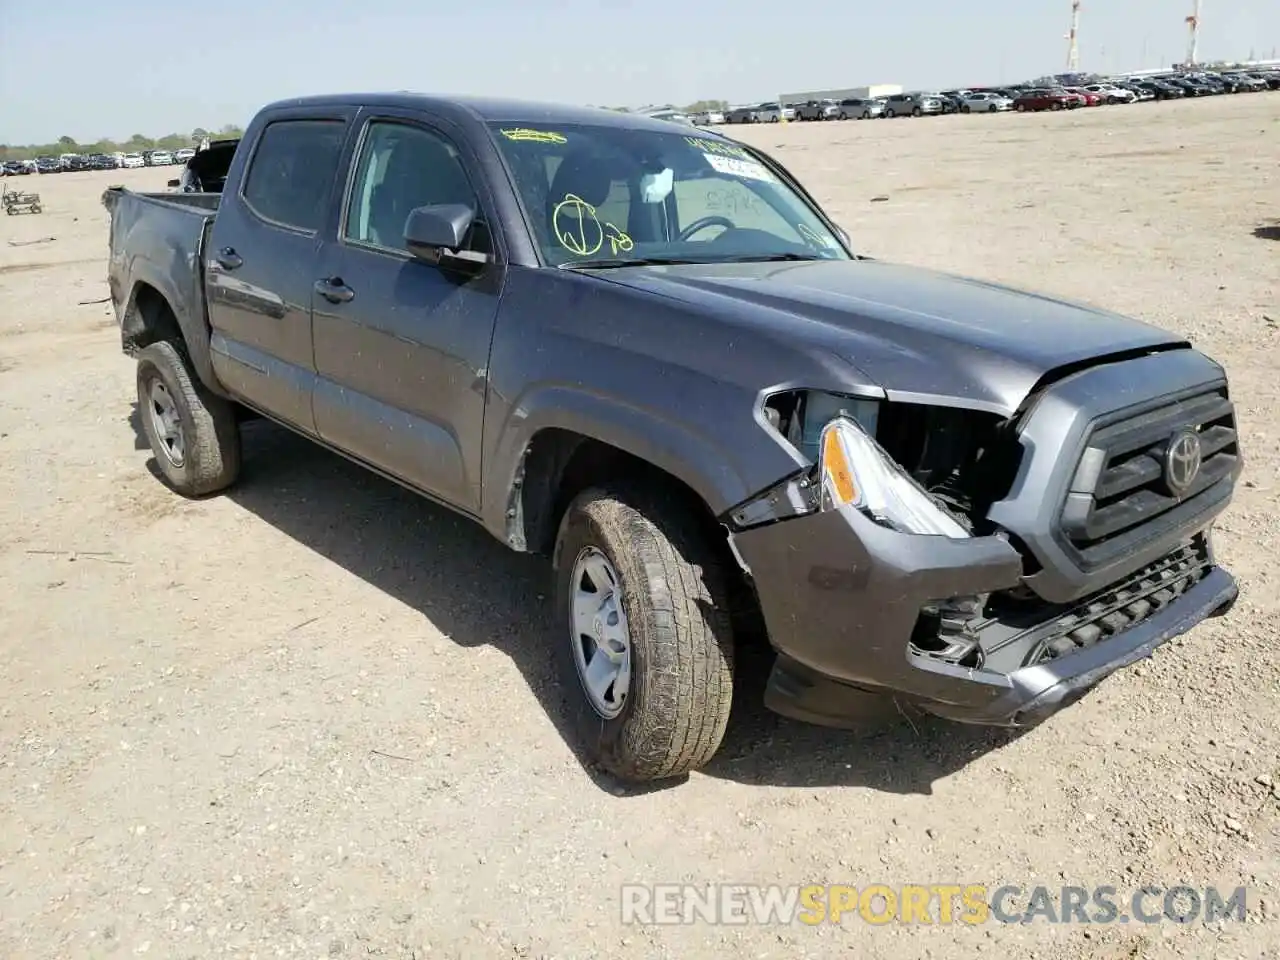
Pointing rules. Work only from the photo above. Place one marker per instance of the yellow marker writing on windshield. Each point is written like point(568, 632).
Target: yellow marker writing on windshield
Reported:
point(579, 230)
point(577, 227)
point(536, 136)
point(618, 240)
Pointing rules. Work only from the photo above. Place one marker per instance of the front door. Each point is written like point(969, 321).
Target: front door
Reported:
point(260, 264)
point(402, 346)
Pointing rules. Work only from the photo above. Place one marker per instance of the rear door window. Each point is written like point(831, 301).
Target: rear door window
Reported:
point(291, 175)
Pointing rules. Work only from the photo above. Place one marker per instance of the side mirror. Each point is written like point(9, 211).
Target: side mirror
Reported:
point(435, 234)
point(174, 184)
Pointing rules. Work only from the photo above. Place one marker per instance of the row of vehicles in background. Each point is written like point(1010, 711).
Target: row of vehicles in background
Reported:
point(1022, 97)
point(72, 162)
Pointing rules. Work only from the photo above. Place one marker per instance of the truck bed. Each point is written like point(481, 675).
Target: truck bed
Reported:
point(157, 243)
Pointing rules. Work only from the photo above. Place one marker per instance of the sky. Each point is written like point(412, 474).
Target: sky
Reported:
point(115, 68)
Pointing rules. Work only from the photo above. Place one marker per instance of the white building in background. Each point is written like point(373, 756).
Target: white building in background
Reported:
point(851, 93)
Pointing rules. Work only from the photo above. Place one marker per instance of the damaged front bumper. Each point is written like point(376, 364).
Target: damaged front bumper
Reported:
point(858, 611)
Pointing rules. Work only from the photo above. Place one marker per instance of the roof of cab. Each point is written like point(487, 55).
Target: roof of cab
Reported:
point(488, 109)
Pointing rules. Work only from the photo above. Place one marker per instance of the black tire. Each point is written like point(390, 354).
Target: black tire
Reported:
point(866, 115)
point(965, 109)
point(673, 591)
point(210, 458)
point(916, 112)
point(890, 113)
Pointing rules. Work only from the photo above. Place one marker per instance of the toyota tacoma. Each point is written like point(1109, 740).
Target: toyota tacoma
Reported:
point(646, 352)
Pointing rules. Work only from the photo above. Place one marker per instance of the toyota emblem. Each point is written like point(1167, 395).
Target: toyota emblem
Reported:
point(1182, 462)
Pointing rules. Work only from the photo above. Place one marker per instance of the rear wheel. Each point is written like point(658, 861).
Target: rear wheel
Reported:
point(965, 109)
point(647, 640)
point(916, 112)
point(193, 433)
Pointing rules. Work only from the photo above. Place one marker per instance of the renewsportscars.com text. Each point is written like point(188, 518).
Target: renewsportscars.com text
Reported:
point(880, 904)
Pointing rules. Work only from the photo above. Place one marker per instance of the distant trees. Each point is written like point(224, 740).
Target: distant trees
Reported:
point(135, 144)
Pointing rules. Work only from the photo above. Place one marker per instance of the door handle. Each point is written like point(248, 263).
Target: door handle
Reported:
point(228, 259)
point(334, 290)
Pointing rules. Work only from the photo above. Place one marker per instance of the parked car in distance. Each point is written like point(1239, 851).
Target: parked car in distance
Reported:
point(742, 115)
point(133, 160)
point(707, 118)
point(1162, 91)
point(1089, 98)
point(913, 105)
point(450, 292)
point(1110, 93)
point(985, 103)
point(774, 112)
point(1046, 99)
point(161, 158)
point(857, 108)
point(49, 165)
point(818, 110)
point(183, 155)
point(951, 100)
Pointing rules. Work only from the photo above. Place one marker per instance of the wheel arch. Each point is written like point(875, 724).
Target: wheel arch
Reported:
point(153, 312)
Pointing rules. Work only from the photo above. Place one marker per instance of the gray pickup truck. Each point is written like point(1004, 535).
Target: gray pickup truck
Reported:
point(644, 351)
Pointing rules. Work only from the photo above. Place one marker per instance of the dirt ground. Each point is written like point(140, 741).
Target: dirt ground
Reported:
point(315, 716)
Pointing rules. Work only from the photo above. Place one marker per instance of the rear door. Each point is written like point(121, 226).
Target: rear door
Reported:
point(401, 345)
point(260, 264)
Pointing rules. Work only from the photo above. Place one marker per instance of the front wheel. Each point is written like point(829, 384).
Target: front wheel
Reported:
point(193, 433)
point(646, 641)
point(965, 109)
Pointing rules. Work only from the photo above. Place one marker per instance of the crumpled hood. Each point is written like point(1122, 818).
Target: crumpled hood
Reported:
point(914, 332)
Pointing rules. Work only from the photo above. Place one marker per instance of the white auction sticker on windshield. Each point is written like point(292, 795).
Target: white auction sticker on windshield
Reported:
point(739, 168)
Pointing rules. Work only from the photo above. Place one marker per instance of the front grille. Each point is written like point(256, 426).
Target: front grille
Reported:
point(1126, 480)
point(1036, 635)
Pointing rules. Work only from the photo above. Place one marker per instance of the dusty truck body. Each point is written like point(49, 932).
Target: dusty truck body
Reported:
point(645, 352)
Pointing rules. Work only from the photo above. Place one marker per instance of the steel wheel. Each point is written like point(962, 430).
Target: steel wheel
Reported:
point(599, 633)
point(167, 422)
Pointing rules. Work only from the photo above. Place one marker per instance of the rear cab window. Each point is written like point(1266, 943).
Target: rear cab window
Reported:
point(291, 173)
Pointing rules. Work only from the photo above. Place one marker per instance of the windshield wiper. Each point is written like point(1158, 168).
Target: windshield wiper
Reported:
point(772, 258)
point(605, 263)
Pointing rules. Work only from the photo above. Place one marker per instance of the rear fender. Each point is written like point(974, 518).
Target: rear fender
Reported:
point(137, 328)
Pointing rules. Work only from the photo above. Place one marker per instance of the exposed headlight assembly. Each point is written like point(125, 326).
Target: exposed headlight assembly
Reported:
point(850, 469)
point(854, 470)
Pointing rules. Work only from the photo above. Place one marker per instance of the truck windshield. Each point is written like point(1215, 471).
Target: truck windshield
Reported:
point(622, 194)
